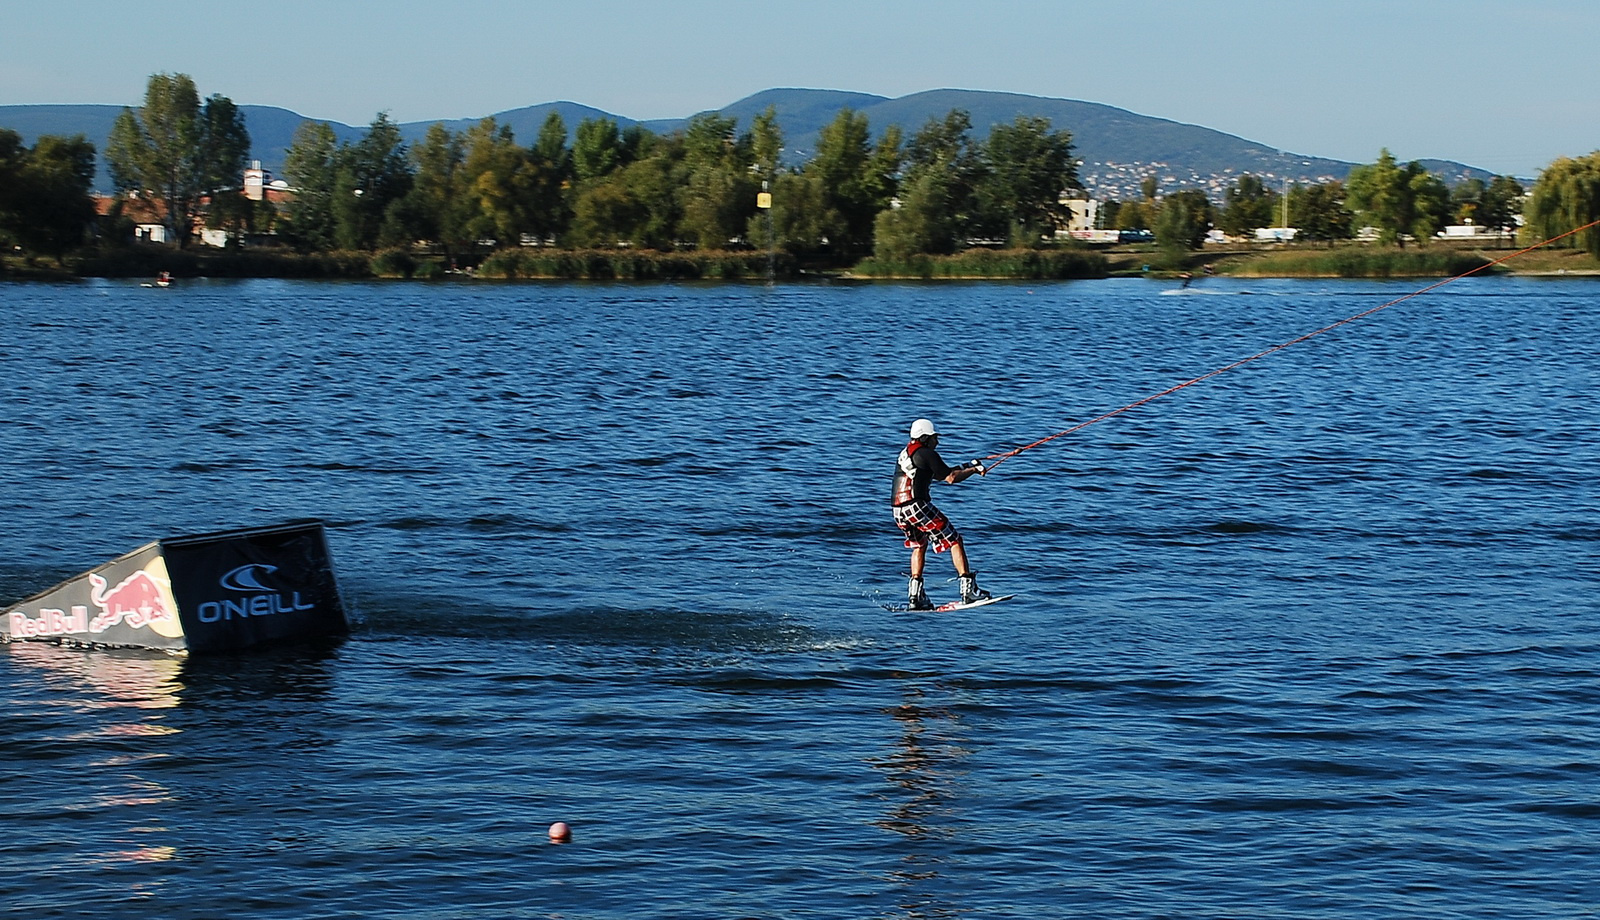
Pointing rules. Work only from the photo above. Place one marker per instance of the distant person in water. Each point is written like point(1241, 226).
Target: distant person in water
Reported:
point(924, 525)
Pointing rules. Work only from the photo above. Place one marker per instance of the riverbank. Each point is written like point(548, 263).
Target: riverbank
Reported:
point(1349, 260)
point(1357, 260)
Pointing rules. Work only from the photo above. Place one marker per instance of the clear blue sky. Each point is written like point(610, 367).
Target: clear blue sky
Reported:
point(1507, 86)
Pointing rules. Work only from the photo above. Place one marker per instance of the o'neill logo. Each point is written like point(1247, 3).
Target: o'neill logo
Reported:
point(248, 577)
point(261, 600)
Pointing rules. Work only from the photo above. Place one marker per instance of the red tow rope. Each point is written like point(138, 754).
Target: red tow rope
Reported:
point(1002, 457)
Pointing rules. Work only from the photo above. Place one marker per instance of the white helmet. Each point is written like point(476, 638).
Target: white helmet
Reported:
point(921, 428)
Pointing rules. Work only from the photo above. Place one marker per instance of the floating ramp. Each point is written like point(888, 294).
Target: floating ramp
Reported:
point(204, 593)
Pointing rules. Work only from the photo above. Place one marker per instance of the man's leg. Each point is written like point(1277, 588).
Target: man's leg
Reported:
point(958, 555)
point(916, 597)
point(969, 581)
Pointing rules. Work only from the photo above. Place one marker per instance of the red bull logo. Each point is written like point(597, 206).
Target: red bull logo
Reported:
point(137, 601)
point(49, 622)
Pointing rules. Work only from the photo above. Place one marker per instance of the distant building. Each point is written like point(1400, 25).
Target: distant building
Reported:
point(1472, 231)
point(1275, 234)
point(1085, 211)
point(260, 186)
point(255, 181)
point(148, 216)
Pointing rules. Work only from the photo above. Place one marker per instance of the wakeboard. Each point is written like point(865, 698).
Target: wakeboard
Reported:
point(955, 605)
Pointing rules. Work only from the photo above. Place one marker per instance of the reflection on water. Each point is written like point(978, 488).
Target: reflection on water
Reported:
point(102, 678)
point(925, 769)
point(146, 679)
point(299, 673)
point(104, 725)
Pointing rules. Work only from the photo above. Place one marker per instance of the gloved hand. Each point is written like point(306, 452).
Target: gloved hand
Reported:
point(977, 466)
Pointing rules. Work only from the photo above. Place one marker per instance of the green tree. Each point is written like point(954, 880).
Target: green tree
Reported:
point(924, 222)
point(798, 213)
point(719, 191)
point(884, 166)
point(176, 152)
point(1430, 203)
point(1135, 215)
point(1567, 196)
point(371, 178)
point(596, 148)
point(1107, 216)
point(1141, 214)
point(1500, 204)
point(1318, 212)
point(633, 206)
point(1398, 200)
point(856, 181)
point(765, 141)
point(45, 205)
point(500, 179)
point(13, 158)
point(1182, 221)
point(766, 144)
point(225, 145)
point(311, 168)
point(637, 142)
point(1466, 198)
point(550, 214)
point(1247, 205)
point(1028, 167)
point(654, 183)
point(439, 202)
point(945, 166)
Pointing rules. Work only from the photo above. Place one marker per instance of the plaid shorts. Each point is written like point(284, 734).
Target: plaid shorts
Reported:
point(923, 524)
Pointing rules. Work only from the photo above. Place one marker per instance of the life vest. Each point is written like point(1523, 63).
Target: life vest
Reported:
point(905, 475)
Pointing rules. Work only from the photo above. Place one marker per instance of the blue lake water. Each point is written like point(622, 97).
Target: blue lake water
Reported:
point(1316, 638)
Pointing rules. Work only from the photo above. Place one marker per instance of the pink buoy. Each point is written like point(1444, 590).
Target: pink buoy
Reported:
point(560, 832)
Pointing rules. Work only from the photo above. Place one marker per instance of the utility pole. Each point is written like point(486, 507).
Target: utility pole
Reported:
point(764, 202)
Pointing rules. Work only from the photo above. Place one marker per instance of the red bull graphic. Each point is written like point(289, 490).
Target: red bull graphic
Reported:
point(127, 601)
point(137, 601)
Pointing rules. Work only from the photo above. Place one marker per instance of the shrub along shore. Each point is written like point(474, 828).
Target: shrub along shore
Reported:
point(1353, 261)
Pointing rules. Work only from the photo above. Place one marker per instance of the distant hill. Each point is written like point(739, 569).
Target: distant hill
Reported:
point(271, 129)
point(1117, 147)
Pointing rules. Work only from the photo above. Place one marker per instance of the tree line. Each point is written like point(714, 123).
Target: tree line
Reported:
point(603, 186)
point(1400, 201)
point(699, 188)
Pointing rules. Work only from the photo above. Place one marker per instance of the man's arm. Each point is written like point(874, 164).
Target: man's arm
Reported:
point(965, 471)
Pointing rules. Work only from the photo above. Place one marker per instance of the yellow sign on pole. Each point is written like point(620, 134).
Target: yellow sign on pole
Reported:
point(763, 199)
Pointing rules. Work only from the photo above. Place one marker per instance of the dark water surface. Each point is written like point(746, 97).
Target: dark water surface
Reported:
point(1317, 638)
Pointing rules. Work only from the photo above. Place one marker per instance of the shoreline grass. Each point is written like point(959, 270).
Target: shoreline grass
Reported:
point(1348, 261)
point(634, 265)
point(990, 264)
